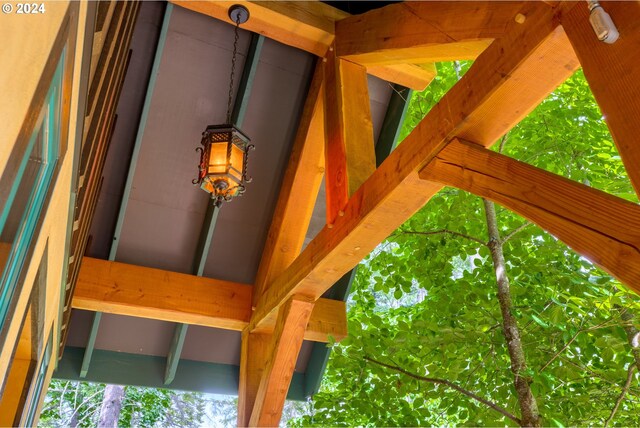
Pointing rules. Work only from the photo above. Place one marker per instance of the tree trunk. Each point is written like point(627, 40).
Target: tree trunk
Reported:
point(633, 334)
point(77, 402)
point(526, 400)
point(111, 406)
point(73, 423)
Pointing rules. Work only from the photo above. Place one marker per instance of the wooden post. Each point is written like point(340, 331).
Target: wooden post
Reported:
point(350, 153)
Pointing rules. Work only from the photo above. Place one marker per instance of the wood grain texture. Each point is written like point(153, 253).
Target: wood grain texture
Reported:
point(254, 353)
point(124, 289)
point(350, 150)
point(298, 192)
point(416, 77)
point(306, 25)
point(329, 318)
point(421, 32)
point(613, 73)
point(284, 349)
point(497, 84)
point(601, 227)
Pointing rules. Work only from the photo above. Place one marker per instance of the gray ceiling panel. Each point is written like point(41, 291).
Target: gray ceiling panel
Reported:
point(161, 238)
point(134, 335)
point(190, 93)
point(271, 121)
point(79, 328)
point(212, 344)
point(379, 95)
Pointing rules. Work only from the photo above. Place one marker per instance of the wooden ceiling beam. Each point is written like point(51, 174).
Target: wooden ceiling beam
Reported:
point(406, 73)
point(350, 156)
point(504, 84)
point(603, 228)
point(309, 26)
point(423, 32)
point(613, 73)
point(124, 289)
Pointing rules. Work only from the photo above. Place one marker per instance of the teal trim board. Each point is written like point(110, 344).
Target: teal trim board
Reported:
point(155, 69)
point(148, 371)
point(246, 81)
point(175, 351)
point(392, 122)
point(39, 386)
point(48, 130)
point(320, 352)
point(91, 343)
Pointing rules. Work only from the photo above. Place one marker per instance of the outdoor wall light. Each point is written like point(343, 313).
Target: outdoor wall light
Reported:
point(602, 23)
point(222, 171)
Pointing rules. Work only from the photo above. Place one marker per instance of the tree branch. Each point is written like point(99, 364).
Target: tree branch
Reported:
point(442, 232)
point(596, 375)
point(527, 401)
point(626, 387)
point(451, 385)
point(516, 230)
point(503, 141)
point(85, 401)
point(571, 341)
point(566, 345)
point(633, 334)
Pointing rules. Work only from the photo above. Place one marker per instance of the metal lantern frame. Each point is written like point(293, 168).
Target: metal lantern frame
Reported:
point(229, 183)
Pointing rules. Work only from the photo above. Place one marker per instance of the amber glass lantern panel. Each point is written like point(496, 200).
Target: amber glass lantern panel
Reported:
point(218, 158)
point(237, 162)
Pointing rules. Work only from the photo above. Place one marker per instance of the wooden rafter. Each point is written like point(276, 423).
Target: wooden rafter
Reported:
point(423, 32)
point(505, 83)
point(613, 73)
point(298, 192)
point(350, 154)
point(407, 74)
point(304, 25)
point(124, 289)
point(601, 227)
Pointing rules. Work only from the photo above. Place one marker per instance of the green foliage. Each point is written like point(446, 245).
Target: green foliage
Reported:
point(78, 403)
point(144, 406)
point(425, 299)
point(67, 403)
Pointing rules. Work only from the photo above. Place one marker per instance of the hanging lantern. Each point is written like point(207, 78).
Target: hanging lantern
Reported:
point(223, 162)
point(223, 156)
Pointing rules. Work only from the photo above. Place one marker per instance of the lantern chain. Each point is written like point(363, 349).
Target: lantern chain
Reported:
point(233, 67)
